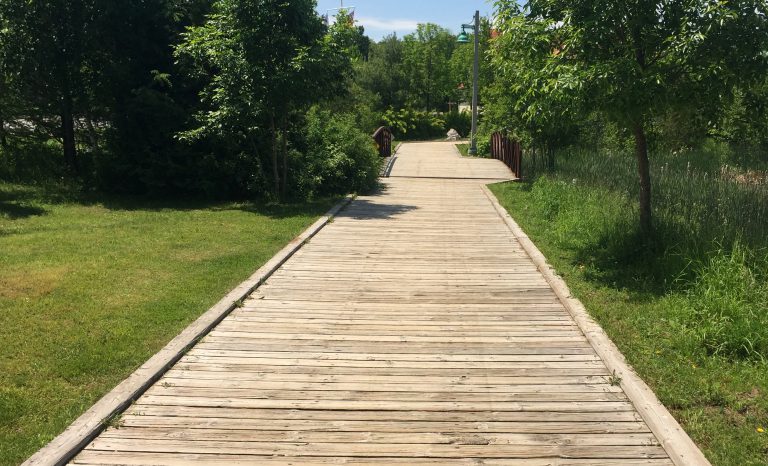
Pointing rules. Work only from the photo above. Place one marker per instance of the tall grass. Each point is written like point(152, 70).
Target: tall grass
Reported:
point(710, 240)
point(708, 202)
point(728, 303)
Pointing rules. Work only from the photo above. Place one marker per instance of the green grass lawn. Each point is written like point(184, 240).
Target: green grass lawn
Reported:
point(722, 402)
point(90, 290)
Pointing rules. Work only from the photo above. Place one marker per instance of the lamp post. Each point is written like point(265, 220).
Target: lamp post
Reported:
point(463, 38)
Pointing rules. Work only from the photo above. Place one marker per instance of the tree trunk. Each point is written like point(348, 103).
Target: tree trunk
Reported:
point(285, 158)
point(275, 169)
point(644, 171)
point(3, 138)
point(68, 134)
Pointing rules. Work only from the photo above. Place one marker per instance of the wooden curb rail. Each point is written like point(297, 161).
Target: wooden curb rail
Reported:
point(85, 428)
point(681, 449)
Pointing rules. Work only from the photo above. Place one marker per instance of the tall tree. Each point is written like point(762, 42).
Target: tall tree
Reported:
point(70, 66)
point(383, 73)
point(265, 60)
point(427, 54)
point(631, 59)
point(53, 44)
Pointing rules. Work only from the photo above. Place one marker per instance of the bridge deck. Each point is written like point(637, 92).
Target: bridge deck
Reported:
point(414, 329)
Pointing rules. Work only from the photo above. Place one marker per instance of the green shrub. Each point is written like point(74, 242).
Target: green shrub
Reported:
point(408, 124)
point(728, 305)
point(339, 158)
point(32, 162)
point(460, 121)
point(145, 156)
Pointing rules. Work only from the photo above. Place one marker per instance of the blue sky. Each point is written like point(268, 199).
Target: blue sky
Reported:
point(381, 18)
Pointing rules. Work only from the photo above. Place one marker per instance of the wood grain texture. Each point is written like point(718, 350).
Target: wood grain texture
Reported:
point(414, 329)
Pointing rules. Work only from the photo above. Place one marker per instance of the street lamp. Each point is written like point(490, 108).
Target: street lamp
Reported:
point(463, 38)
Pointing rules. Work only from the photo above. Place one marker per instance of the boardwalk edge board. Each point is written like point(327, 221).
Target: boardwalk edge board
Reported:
point(681, 449)
point(85, 428)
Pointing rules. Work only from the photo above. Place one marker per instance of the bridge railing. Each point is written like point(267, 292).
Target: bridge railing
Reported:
point(383, 138)
point(508, 151)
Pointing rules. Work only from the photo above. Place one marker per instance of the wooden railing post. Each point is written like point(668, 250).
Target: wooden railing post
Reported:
point(383, 138)
point(508, 151)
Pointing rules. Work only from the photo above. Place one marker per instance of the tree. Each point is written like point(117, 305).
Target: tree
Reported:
point(426, 57)
point(265, 60)
point(70, 68)
point(630, 59)
point(52, 49)
point(383, 73)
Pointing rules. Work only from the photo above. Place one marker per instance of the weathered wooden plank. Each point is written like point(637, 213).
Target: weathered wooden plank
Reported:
point(417, 450)
point(370, 415)
point(386, 405)
point(217, 372)
point(434, 438)
point(531, 427)
point(90, 457)
point(467, 372)
point(388, 347)
point(200, 357)
point(434, 389)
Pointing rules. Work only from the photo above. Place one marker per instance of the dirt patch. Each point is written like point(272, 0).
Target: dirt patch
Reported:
point(18, 284)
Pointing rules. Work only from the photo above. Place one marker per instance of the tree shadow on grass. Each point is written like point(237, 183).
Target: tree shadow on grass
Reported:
point(14, 211)
point(20, 201)
point(17, 202)
point(646, 267)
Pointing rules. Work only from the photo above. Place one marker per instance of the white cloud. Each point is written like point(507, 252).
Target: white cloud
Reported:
point(388, 25)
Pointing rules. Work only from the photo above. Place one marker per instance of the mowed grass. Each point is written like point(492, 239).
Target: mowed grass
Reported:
point(663, 307)
point(89, 291)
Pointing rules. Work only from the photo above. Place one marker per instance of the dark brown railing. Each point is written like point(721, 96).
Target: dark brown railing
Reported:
point(508, 151)
point(383, 138)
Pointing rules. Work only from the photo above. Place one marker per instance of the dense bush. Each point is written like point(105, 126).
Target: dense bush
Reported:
point(408, 124)
point(338, 157)
point(460, 121)
point(31, 161)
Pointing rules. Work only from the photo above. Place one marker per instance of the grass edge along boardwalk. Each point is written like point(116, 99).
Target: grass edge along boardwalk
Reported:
point(413, 329)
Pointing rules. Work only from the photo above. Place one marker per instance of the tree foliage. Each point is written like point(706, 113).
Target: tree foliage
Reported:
point(631, 60)
point(169, 97)
point(264, 62)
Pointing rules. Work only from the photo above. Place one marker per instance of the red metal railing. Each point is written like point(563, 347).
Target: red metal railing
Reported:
point(508, 151)
point(383, 138)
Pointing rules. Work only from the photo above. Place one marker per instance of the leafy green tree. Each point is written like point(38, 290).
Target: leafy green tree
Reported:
point(265, 61)
point(383, 74)
point(630, 59)
point(71, 69)
point(9, 76)
point(51, 55)
point(426, 58)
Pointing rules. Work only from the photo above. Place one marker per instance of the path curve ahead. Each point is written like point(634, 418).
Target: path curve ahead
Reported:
point(414, 329)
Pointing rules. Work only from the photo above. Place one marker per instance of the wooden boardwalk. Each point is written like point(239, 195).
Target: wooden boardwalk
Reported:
point(413, 329)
